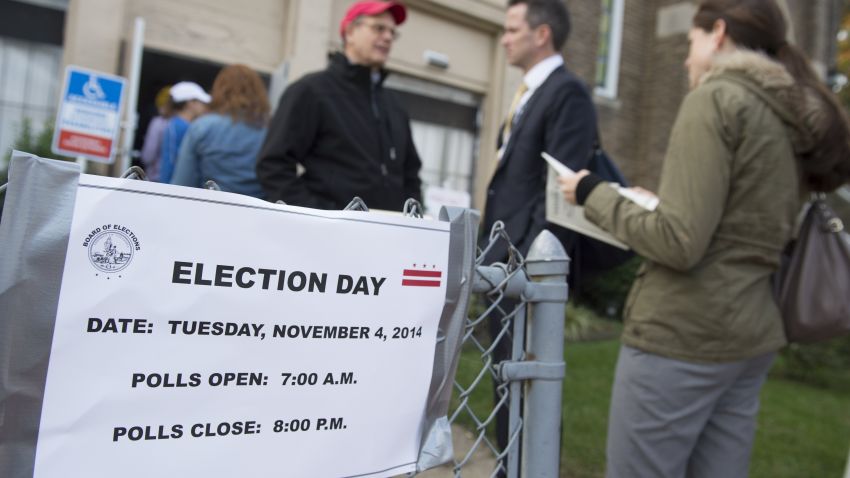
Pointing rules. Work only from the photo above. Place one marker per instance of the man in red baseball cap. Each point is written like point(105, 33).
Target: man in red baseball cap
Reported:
point(351, 136)
point(368, 31)
point(359, 9)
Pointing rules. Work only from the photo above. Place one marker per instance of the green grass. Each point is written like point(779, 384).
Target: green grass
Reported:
point(586, 398)
point(803, 431)
point(481, 398)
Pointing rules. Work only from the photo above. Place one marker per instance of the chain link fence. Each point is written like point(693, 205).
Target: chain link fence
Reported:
point(512, 357)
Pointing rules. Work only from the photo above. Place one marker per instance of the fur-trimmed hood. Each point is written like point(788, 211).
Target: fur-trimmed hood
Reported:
point(767, 73)
point(800, 110)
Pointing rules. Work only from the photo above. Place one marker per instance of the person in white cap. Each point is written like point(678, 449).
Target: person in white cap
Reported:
point(188, 101)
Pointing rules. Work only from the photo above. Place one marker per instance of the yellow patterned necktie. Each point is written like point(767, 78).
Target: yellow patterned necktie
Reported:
point(506, 129)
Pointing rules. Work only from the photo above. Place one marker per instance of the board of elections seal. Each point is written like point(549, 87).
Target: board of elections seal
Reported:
point(111, 248)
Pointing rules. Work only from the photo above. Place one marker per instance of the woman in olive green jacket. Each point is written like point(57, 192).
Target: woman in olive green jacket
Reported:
point(701, 324)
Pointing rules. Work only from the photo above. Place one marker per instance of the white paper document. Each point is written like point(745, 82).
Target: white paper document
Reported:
point(571, 216)
point(643, 200)
point(646, 201)
point(559, 167)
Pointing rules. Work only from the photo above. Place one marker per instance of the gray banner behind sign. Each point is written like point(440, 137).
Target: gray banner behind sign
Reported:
point(34, 236)
point(436, 447)
point(33, 241)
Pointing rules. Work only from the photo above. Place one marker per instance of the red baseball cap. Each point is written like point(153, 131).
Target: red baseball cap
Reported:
point(397, 10)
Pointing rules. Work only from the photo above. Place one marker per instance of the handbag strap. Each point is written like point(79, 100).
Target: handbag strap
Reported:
point(828, 220)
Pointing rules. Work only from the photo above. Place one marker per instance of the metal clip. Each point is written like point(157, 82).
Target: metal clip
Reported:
point(135, 172)
point(412, 208)
point(356, 204)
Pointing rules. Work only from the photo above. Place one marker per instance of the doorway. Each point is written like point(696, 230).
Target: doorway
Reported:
point(161, 69)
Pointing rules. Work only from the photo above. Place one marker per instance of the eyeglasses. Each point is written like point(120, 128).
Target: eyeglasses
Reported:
point(381, 28)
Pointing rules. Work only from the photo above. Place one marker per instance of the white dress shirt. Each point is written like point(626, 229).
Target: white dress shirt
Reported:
point(535, 77)
point(532, 79)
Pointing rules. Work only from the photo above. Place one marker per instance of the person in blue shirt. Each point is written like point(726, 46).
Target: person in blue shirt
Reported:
point(223, 145)
point(188, 101)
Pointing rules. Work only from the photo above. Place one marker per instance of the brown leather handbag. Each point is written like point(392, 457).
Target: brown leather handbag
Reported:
point(814, 283)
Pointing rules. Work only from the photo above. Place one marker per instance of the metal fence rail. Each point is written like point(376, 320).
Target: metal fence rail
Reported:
point(522, 303)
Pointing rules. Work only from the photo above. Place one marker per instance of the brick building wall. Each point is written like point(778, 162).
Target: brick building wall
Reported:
point(664, 85)
point(635, 127)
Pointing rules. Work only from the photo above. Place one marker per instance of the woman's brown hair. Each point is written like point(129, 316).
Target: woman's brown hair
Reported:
point(239, 92)
point(760, 25)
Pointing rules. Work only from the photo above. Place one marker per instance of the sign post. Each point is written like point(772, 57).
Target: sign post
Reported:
point(89, 116)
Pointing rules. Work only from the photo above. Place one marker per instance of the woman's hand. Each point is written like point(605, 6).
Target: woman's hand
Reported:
point(570, 183)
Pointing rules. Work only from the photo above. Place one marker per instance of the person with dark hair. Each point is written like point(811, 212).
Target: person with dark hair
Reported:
point(755, 134)
point(349, 134)
point(223, 145)
point(552, 112)
point(187, 101)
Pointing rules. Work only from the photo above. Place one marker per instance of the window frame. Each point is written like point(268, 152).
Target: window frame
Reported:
point(609, 88)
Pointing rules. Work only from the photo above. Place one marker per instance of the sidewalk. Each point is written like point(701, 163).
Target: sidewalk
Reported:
point(481, 465)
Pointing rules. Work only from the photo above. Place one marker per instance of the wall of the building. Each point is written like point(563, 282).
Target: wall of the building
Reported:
point(222, 31)
point(30, 68)
point(664, 85)
point(622, 120)
point(288, 38)
point(635, 126)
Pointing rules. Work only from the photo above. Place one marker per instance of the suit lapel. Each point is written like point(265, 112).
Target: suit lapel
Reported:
point(526, 111)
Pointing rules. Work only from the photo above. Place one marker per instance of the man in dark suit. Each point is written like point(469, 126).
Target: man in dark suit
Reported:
point(552, 112)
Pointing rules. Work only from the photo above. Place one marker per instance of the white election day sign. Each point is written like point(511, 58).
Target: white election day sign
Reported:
point(202, 333)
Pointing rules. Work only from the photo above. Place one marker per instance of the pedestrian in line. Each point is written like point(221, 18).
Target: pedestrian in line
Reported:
point(152, 145)
point(223, 145)
point(188, 101)
point(756, 131)
point(350, 134)
point(552, 111)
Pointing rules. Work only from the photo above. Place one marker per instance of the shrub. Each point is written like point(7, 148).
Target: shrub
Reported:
point(825, 364)
point(37, 144)
point(606, 293)
point(29, 142)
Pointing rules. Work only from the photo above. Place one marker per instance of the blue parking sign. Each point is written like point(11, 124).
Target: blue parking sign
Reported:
point(89, 117)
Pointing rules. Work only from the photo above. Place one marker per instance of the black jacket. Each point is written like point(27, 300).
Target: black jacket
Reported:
point(559, 119)
point(349, 145)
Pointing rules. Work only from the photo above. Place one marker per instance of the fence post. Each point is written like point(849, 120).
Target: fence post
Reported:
point(547, 265)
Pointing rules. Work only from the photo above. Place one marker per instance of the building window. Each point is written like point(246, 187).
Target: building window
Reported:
point(30, 77)
point(608, 54)
point(444, 126)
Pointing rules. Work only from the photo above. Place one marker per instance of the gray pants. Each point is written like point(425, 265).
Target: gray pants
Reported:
point(671, 419)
